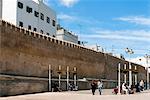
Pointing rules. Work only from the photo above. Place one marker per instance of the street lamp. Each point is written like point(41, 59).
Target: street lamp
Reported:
point(129, 51)
point(147, 66)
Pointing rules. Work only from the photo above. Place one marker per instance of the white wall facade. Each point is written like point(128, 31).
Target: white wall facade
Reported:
point(63, 34)
point(15, 15)
point(9, 10)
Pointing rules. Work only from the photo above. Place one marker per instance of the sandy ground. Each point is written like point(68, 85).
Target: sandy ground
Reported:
point(80, 95)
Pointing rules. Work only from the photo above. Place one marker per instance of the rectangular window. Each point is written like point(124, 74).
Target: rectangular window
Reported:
point(42, 16)
point(28, 9)
point(29, 27)
point(47, 33)
point(48, 20)
point(36, 14)
point(54, 23)
point(20, 5)
point(42, 31)
point(54, 36)
point(21, 24)
point(34, 29)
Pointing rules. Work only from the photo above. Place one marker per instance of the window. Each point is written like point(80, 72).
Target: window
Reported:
point(21, 24)
point(29, 27)
point(42, 31)
point(47, 33)
point(28, 9)
point(54, 23)
point(36, 14)
point(34, 29)
point(42, 16)
point(48, 20)
point(20, 5)
point(53, 35)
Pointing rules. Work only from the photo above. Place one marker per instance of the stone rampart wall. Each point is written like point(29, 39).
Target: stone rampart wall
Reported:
point(27, 53)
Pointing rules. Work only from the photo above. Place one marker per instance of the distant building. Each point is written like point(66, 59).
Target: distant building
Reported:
point(119, 56)
point(63, 34)
point(31, 14)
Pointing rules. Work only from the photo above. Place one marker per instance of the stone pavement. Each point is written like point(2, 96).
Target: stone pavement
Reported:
point(80, 95)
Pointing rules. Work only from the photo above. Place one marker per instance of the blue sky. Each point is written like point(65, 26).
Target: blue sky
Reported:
point(111, 24)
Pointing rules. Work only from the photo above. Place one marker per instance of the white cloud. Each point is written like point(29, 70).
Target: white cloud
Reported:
point(133, 35)
point(68, 3)
point(66, 17)
point(136, 20)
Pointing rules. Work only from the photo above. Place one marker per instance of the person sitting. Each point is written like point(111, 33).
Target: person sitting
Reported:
point(137, 86)
point(125, 88)
point(131, 90)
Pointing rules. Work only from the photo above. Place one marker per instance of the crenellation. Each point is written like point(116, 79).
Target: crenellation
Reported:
point(49, 39)
point(32, 34)
point(6, 24)
point(45, 37)
point(52, 40)
point(25, 31)
point(0, 22)
point(60, 42)
point(41, 36)
point(63, 43)
point(56, 41)
point(17, 29)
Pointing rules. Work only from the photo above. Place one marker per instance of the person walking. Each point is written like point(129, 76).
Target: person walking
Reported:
point(100, 85)
point(93, 86)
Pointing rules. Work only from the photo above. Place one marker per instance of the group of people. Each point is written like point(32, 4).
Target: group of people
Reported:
point(96, 85)
point(72, 87)
point(125, 89)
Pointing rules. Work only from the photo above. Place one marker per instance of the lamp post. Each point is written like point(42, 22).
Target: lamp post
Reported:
point(147, 66)
point(129, 51)
point(119, 79)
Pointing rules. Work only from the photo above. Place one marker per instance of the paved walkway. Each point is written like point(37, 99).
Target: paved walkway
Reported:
point(80, 95)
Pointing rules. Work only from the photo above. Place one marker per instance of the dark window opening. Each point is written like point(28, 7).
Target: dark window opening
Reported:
point(34, 29)
point(20, 5)
point(42, 16)
point(21, 24)
point(47, 33)
point(42, 31)
point(36, 14)
point(29, 27)
point(48, 20)
point(53, 35)
point(54, 23)
point(28, 9)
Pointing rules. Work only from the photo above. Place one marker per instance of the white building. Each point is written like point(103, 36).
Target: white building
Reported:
point(63, 34)
point(31, 14)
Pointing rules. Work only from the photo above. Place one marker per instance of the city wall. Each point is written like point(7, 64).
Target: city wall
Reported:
point(25, 57)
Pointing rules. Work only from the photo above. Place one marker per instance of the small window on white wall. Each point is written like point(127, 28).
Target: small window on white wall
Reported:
point(28, 9)
point(42, 31)
point(42, 16)
point(48, 20)
point(29, 27)
point(54, 23)
point(20, 24)
point(36, 14)
point(20, 5)
point(47, 34)
point(34, 29)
